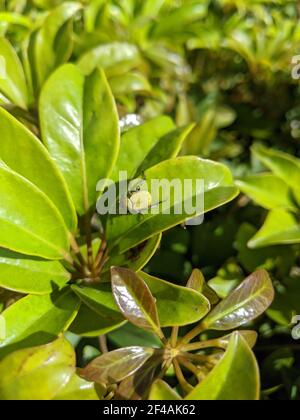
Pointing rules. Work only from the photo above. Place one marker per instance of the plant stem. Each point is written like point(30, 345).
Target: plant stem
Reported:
point(68, 258)
point(174, 336)
point(189, 366)
point(199, 358)
point(192, 334)
point(89, 240)
point(186, 387)
point(102, 264)
point(103, 344)
point(76, 250)
point(200, 345)
point(100, 254)
point(165, 369)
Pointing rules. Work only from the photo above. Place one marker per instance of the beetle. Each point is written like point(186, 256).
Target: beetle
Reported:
point(138, 199)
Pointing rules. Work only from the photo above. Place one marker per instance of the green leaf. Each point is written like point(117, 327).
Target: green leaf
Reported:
point(250, 338)
point(135, 299)
point(267, 190)
point(249, 300)
point(282, 165)
point(279, 258)
point(236, 377)
point(115, 366)
point(167, 147)
point(286, 303)
point(161, 391)
point(15, 19)
point(80, 127)
point(130, 83)
point(179, 18)
point(78, 389)
point(201, 137)
point(2, 325)
point(116, 58)
point(25, 154)
point(280, 227)
point(89, 323)
point(29, 221)
point(13, 84)
point(101, 301)
point(46, 45)
point(176, 305)
point(43, 318)
point(130, 335)
point(135, 258)
point(37, 373)
point(137, 143)
point(152, 7)
point(197, 282)
point(126, 231)
point(30, 275)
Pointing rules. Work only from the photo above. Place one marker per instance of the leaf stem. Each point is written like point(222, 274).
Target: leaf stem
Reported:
point(186, 387)
point(200, 345)
point(103, 344)
point(189, 366)
point(192, 334)
point(76, 250)
point(165, 369)
point(199, 358)
point(100, 254)
point(174, 336)
point(89, 240)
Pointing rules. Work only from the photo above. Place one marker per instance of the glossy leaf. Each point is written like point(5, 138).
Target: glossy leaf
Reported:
point(78, 389)
point(167, 147)
point(135, 300)
point(25, 154)
point(197, 282)
point(30, 275)
point(282, 165)
point(29, 221)
point(116, 58)
point(136, 387)
point(37, 373)
point(43, 318)
point(130, 335)
point(280, 227)
point(136, 258)
point(130, 83)
point(80, 129)
point(161, 391)
point(137, 143)
point(236, 377)
point(101, 301)
point(46, 44)
point(117, 365)
point(126, 231)
point(89, 323)
point(250, 338)
point(249, 300)
point(267, 190)
point(13, 85)
point(268, 257)
point(176, 305)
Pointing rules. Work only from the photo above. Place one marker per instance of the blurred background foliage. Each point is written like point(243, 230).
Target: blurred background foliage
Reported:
point(226, 65)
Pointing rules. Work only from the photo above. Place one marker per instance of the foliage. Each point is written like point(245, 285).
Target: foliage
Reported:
point(161, 89)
